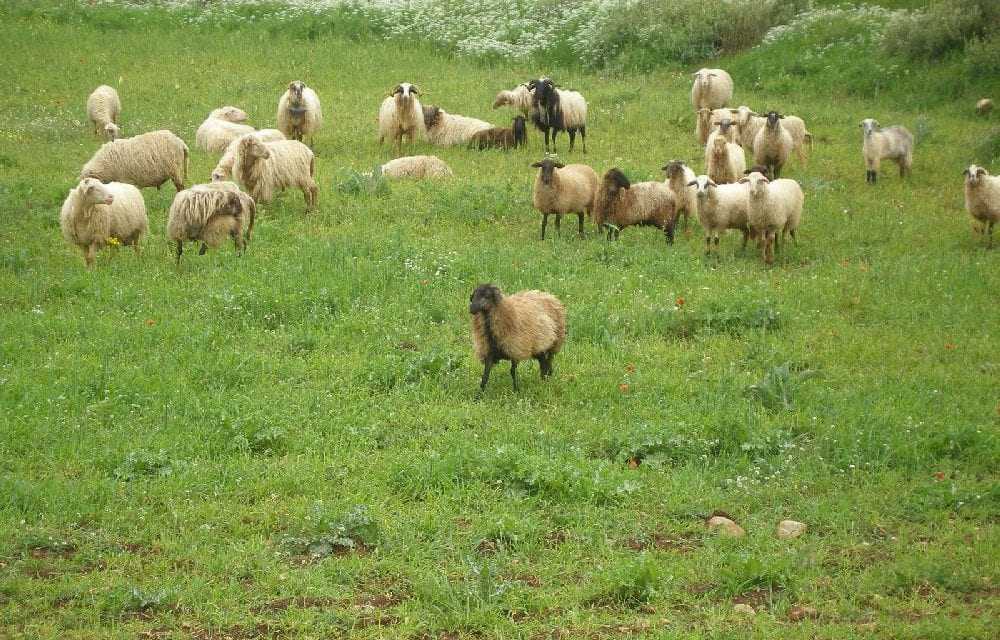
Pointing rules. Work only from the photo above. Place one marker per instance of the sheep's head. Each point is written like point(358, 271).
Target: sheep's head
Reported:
point(503, 98)
point(543, 90)
point(218, 175)
point(702, 185)
point(111, 131)
point(773, 119)
point(548, 167)
point(234, 206)
point(757, 184)
point(869, 125)
point(974, 173)
point(743, 114)
point(254, 148)
point(614, 181)
point(703, 77)
point(673, 169)
point(485, 298)
point(724, 125)
point(229, 114)
point(94, 191)
point(404, 92)
point(295, 91)
point(432, 115)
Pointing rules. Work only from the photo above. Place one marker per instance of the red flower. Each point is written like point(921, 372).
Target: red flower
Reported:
point(679, 302)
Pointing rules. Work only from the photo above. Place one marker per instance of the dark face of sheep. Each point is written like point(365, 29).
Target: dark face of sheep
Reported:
point(548, 167)
point(432, 115)
point(615, 181)
point(484, 298)
point(772, 119)
point(295, 90)
point(544, 91)
point(405, 91)
point(673, 169)
point(233, 205)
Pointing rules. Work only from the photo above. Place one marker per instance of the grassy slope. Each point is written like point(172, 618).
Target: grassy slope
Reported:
point(341, 343)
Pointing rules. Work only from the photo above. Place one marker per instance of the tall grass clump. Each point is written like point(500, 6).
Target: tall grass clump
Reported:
point(941, 29)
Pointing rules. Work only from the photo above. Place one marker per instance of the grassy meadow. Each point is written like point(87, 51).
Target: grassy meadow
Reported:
point(289, 444)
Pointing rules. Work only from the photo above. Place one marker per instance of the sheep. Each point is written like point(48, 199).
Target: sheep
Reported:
point(749, 123)
point(265, 167)
point(528, 324)
point(984, 106)
point(299, 112)
point(892, 143)
point(145, 160)
point(773, 144)
point(209, 213)
point(619, 204)
point(724, 161)
point(95, 214)
point(505, 139)
point(561, 189)
point(517, 98)
point(712, 88)
point(724, 128)
point(401, 115)
point(554, 110)
point(445, 129)
point(679, 178)
point(982, 199)
point(416, 167)
point(224, 169)
point(773, 206)
point(220, 128)
point(720, 207)
point(103, 109)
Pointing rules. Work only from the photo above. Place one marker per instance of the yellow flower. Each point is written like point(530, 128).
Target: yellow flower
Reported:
point(114, 241)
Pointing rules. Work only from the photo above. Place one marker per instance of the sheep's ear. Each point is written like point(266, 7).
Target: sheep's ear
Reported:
point(781, 117)
point(415, 89)
point(765, 180)
point(713, 75)
point(711, 184)
point(693, 183)
point(558, 165)
point(966, 173)
point(980, 171)
point(537, 165)
point(742, 181)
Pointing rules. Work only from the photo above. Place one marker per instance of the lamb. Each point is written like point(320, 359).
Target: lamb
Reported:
point(103, 109)
point(773, 206)
point(416, 167)
point(500, 138)
point(224, 169)
point(445, 129)
point(554, 110)
point(517, 98)
point(299, 112)
point(401, 115)
point(265, 167)
point(619, 204)
point(528, 324)
point(773, 144)
point(146, 160)
point(561, 189)
point(209, 213)
point(712, 88)
point(982, 199)
point(220, 128)
point(679, 178)
point(95, 214)
point(720, 207)
point(984, 106)
point(892, 143)
point(724, 161)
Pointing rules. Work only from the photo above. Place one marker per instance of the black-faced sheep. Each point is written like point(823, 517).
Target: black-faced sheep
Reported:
point(982, 199)
point(220, 128)
point(501, 138)
point(146, 160)
point(773, 144)
point(773, 207)
point(445, 129)
point(264, 168)
point(891, 143)
point(560, 189)
point(712, 88)
point(554, 110)
point(103, 109)
point(95, 214)
point(210, 213)
point(418, 167)
point(529, 324)
point(401, 116)
point(300, 114)
point(622, 204)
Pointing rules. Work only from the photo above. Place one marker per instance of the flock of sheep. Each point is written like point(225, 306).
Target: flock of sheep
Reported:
point(106, 206)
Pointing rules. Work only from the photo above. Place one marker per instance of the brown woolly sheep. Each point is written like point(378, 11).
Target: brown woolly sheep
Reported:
point(619, 204)
point(500, 138)
point(560, 188)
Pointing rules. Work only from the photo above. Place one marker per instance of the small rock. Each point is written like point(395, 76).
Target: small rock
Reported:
point(797, 613)
point(745, 609)
point(725, 526)
point(788, 529)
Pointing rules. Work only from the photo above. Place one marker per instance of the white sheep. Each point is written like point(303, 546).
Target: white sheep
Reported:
point(103, 109)
point(560, 189)
point(401, 115)
point(984, 106)
point(725, 161)
point(220, 128)
point(445, 129)
point(618, 204)
point(95, 214)
point(210, 213)
point(891, 143)
point(517, 98)
point(299, 112)
point(749, 124)
point(774, 208)
point(720, 207)
point(712, 88)
point(146, 160)
point(982, 199)
point(224, 169)
point(679, 178)
point(264, 168)
point(773, 144)
point(416, 167)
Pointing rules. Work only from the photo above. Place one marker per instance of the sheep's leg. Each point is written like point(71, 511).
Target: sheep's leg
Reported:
point(88, 254)
point(543, 364)
point(545, 221)
point(513, 374)
point(580, 219)
point(487, 367)
point(769, 247)
point(746, 236)
point(708, 243)
point(180, 250)
point(583, 137)
point(572, 138)
point(558, 222)
point(669, 230)
point(547, 139)
point(203, 250)
point(988, 230)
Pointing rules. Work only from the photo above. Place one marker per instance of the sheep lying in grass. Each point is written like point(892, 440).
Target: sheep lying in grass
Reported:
point(224, 169)
point(501, 138)
point(560, 189)
point(517, 98)
point(712, 88)
point(300, 114)
point(416, 167)
point(220, 128)
point(773, 144)
point(146, 160)
point(724, 161)
point(264, 168)
point(445, 129)
point(679, 179)
point(401, 116)
point(982, 199)
point(554, 110)
point(528, 324)
point(773, 207)
point(209, 213)
point(984, 106)
point(619, 204)
point(95, 214)
point(103, 109)
point(720, 207)
point(891, 143)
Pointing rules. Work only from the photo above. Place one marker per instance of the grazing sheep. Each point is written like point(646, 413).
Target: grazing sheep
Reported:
point(517, 98)
point(772, 144)
point(773, 206)
point(401, 115)
point(265, 167)
point(891, 143)
point(554, 110)
point(528, 324)
point(146, 160)
point(561, 189)
point(416, 167)
point(984, 106)
point(103, 109)
point(209, 213)
point(445, 129)
point(224, 169)
point(500, 138)
point(95, 214)
point(724, 161)
point(619, 203)
point(712, 88)
point(221, 128)
point(299, 112)
point(982, 199)
point(720, 207)
point(679, 178)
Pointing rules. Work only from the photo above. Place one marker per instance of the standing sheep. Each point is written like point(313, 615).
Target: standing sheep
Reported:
point(720, 207)
point(224, 169)
point(416, 167)
point(210, 213)
point(220, 128)
point(266, 167)
point(299, 112)
point(95, 214)
point(772, 144)
point(619, 204)
point(749, 123)
point(401, 115)
point(773, 207)
point(103, 109)
point(891, 143)
point(146, 160)
point(445, 129)
point(561, 189)
point(982, 199)
point(528, 324)
point(554, 110)
point(679, 179)
point(724, 161)
point(712, 88)
point(517, 98)
point(500, 138)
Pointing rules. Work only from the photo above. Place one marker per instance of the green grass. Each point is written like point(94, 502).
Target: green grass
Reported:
point(289, 444)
